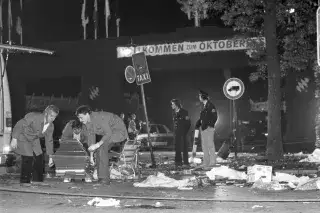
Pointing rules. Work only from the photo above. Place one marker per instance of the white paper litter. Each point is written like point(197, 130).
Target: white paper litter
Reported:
point(97, 201)
point(195, 160)
point(312, 184)
point(160, 180)
point(292, 180)
point(95, 174)
point(259, 172)
point(226, 172)
point(256, 206)
point(313, 158)
point(114, 174)
point(220, 160)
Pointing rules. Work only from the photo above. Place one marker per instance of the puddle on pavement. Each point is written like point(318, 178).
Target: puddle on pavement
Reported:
point(148, 207)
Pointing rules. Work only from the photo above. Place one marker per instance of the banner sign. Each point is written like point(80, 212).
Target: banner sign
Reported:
point(191, 47)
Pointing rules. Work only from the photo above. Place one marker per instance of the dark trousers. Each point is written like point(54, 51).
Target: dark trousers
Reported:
point(103, 161)
point(31, 168)
point(181, 146)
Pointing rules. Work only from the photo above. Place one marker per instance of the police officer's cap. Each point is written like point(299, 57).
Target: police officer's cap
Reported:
point(203, 93)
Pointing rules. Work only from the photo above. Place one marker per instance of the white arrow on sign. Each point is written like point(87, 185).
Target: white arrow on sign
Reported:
point(233, 88)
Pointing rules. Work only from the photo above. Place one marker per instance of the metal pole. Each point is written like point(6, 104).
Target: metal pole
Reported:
point(25, 49)
point(234, 127)
point(147, 123)
point(1, 21)
point(2, 92)
point(118, 27)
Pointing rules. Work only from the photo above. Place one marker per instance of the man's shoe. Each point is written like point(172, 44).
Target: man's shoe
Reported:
point(186, 166)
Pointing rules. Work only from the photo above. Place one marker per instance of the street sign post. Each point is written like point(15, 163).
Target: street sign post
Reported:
point(318, 36)
point(233, 89)
point(140, 66)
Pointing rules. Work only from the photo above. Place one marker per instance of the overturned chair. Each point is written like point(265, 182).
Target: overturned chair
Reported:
point(126, 166)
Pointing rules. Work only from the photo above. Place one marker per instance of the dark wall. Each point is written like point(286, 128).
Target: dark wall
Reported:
point(93, 60)
point(96, 62)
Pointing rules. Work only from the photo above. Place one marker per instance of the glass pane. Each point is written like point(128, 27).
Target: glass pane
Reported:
point(162, 130)
point(153, 129)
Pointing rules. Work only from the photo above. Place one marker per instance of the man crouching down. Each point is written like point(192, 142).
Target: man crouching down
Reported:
point(112, 129)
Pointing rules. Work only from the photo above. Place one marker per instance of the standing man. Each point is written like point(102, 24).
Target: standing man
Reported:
point(182, 124)
point(206, 124)
point(132, 126)
point(26, 142)
point(112, 129)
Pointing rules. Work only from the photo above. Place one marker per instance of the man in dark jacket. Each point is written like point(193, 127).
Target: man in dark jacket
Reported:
point(182, 124)
point(25, 141)
point(206, 124)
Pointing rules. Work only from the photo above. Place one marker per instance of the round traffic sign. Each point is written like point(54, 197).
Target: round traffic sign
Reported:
point(233, 88)
point(130, 74)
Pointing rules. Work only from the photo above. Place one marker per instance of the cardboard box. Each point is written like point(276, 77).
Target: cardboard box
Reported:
point(257, 172)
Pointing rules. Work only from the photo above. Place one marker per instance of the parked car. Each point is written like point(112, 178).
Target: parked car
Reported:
point(160, 136)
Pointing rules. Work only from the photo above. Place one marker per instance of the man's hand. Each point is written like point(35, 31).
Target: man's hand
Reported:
point(93, 147)
point(92, 163)
point(14, 143)
point(51, 163)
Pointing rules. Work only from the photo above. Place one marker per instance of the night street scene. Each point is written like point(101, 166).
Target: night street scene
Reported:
point(159, 106)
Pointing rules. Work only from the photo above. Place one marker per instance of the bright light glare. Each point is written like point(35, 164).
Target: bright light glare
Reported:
point(6, 149)
point(292, 10)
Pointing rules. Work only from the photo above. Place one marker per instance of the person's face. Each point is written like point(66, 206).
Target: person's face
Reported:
point(77, 131)
point(200, 98)
point(84, 118)
point(173, 106)
point(134, 117)
point(122, 115)
point(50, 116)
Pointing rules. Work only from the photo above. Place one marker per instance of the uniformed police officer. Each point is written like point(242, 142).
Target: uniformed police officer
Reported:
point(206, 125)
point(182, 124)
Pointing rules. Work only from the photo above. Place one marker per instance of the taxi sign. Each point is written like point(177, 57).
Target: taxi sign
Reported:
point(233, 88)
point(130, 74)
point(140, 65)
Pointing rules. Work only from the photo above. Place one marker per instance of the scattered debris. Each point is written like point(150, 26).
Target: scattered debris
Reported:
point(99, 202)
point(313, 158)
point(226, 172)
point(269, 186)
point(312, 184)
point(256, 206)
point(195, 160)
point(160, 180)
point(257, 172)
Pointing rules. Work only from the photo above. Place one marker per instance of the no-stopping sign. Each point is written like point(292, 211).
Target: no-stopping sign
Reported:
point(233, 88)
